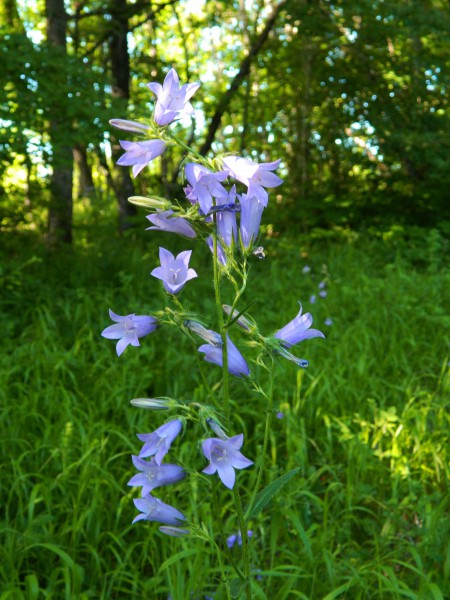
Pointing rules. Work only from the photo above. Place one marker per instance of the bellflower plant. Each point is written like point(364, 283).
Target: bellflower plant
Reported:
point(224, 202)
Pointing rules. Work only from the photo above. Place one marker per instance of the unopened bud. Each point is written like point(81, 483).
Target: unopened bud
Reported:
point(173, 531)
point(129, 126)
point(242, 321)
point(208, 335)
point(217, 428)
point(300, 362)
point(155, 202)
point(152, 403)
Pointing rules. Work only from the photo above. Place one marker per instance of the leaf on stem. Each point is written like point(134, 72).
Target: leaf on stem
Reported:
point(270, 491)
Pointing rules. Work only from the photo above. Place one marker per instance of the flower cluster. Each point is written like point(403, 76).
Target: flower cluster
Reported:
point(223, 455)
point(154, 473)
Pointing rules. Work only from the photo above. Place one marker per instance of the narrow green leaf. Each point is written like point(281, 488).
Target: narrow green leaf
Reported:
point(435, 591)
point(337, 592)
point(32, 586)
point(266, 495)
point(175, 558)
point(67, 560)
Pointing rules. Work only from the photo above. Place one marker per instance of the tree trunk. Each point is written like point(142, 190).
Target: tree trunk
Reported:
point(120, 69)
point(60, 209)
point(9, 16)
point(86, 187)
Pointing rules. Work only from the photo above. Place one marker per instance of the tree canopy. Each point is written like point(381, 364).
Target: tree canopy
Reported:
point(352, 96)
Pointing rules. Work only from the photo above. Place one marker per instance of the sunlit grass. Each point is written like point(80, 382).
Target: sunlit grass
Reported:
point(367, 423)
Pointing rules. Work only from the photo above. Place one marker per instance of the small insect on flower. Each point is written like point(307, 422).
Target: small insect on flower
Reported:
point(259, 252)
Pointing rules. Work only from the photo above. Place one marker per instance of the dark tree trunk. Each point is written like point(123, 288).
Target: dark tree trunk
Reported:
point(120, 69)
point(9, 16)
point(86, 186)
point(60, 209)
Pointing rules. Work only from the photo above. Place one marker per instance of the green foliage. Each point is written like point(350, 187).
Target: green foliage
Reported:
point(366, 426)
point(353, 96)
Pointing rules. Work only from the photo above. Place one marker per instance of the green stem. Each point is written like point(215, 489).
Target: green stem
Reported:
point(223, 333)
point(222, 532)
point(269, 411)
point(188, 149)
point(219, 557)
point(203, 376)
point(244, 536)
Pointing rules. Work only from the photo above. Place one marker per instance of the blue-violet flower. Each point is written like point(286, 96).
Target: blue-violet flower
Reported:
point(226, 219)
point(129, 329)
point(172, 100)
point(153, 509)
point(174, 272)
point(163, 221)
point(298, 330)
point(256, 176)
point(140, 154)
point(236, 538)
point(205, 185)
point(159, 441)
point(224, 457)
point(154, 475)
point(251, 211)
point(236, 362)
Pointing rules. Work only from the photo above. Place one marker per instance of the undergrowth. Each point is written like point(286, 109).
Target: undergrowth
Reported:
point(367, 422)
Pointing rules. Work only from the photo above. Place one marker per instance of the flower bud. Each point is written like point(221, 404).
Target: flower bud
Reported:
point(209, 336)
point(217, 428)
point(173, 531)
point(155, 202)
point(242, 321)
point(129, 125)
point(152, 403)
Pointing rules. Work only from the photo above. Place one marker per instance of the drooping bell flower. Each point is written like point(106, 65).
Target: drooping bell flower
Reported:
point(251, 211)
point(153, 509)
point(298, 330)
point(236, 362)
point(153, 475)
point(164, 221)
point(140, 154)
point(159, 441)
point(204, 185)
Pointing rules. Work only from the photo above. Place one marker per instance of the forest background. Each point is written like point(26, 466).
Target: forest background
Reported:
point(353, 97)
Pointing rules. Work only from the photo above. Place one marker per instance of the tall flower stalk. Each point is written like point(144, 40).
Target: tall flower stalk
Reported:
point(225, 201)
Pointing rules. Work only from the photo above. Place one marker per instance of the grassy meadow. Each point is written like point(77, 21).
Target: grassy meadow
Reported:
point(368, 422)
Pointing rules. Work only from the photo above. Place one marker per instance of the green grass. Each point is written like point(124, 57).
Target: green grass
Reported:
point(367, 422)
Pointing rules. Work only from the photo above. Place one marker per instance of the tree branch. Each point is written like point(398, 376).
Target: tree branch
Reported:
point(238, 79)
